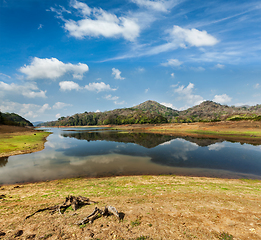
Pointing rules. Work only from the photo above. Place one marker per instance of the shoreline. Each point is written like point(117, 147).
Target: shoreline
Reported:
point(23, 140)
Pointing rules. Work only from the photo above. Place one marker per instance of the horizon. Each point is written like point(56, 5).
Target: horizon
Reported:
point(61, 57)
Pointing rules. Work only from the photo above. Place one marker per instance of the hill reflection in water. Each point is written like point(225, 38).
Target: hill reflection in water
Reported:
point(147, 140)
point(93, 153)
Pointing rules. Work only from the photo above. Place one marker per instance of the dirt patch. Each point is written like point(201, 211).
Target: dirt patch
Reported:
point(154, 207)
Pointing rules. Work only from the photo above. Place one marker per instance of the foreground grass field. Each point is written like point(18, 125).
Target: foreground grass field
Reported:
point(18, 140)
point(154, 207)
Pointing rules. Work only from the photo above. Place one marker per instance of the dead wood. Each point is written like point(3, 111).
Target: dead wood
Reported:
point(108, 210)
point(73, 201)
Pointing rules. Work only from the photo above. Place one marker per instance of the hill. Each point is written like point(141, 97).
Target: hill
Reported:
point(14, 119)
point(211, 111)
point(153, 112)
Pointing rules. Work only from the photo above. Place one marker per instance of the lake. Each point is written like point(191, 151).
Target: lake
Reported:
point(95, 152)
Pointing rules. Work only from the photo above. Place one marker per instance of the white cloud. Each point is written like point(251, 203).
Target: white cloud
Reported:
point(28, 90)
point(257, 86)
point(69, 85)
point(117, 74)
point(40, 26)
point(4, 75)
point(192, 37)
point(198, 69)
point(60, 105)
point(84, 8)
point(58, 115)
point(172, 63)
point(99, 87)
point(170, 105)
point(220, 66)
point(146, 90)
point(110, 97)
point(97, 111)
point(24, 110)
point(52, 68)
point(95, 86)
point(119, 103)
point(224, 98)
point(98, 22)
point(172, 75)
point(157, 5)
point(140, 69)
point(185, 93)
point(44, 108)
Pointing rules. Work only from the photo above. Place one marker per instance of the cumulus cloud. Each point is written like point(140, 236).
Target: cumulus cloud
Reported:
point(193, 37)
point(99, 87)
point(170, 105)
point(97, 22)
point(44, 108)
point(186, 94)
point(256, 86)
point(25, 110)
point(157, 5)
point(69, 85)
point(172, 63)
point(117, 74)
point(60, 105)
point(29, 90)
point(172, 75)
point(224, 98)
point(52, 68)
point(95, 86)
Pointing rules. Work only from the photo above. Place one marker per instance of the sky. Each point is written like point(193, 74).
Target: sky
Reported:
point(61, 57)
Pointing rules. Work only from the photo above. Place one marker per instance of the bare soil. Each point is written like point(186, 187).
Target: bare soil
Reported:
point(7, 129)
point(154, 207)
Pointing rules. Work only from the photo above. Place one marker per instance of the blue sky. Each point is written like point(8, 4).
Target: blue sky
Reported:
point(62, 57)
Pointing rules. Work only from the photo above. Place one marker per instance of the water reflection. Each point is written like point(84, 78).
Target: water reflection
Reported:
point(143, 139)
point(3, 161)
point(109, 153)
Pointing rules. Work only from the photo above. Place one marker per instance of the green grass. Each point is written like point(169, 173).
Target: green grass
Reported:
point(25, 142)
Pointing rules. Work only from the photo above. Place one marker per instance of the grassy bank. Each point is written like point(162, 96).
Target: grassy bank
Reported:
point(250, 131)
point(154, 207)
point(21, 142)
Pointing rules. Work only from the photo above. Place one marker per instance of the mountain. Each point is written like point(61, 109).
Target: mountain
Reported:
point(14, 119)
point(153, 106)
point(37, 123)
point(153, 112)
point(212, 111)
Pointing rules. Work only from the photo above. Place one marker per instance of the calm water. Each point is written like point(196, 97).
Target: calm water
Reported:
point(94, 153)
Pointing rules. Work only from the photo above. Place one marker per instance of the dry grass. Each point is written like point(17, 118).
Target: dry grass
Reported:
point(155, 207)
